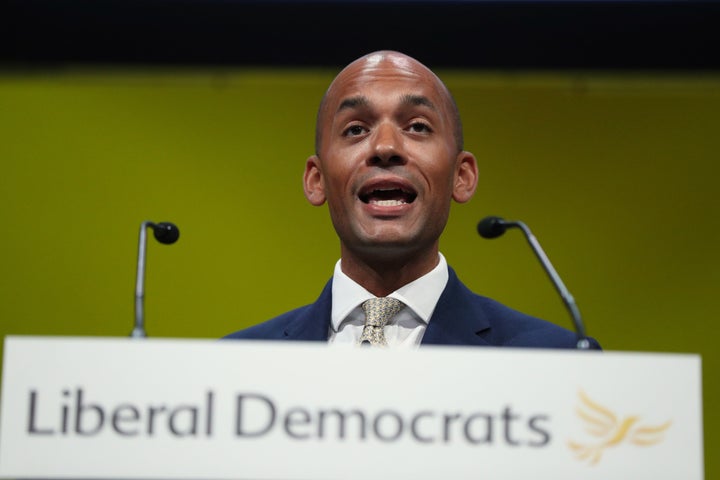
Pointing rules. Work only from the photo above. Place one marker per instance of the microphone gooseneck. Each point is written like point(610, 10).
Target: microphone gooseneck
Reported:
point(165, 233)
point(493, 227)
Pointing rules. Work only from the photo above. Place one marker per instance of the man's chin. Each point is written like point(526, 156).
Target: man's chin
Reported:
point(390, 246)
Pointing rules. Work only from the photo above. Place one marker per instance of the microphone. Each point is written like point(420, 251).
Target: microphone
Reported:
point(493, 227)
point(165, 233)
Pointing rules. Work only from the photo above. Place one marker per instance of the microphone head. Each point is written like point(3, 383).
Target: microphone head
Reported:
point(166, 232)
point(491, 227)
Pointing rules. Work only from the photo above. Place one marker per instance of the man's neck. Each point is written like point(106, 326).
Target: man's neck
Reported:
point(381, 277)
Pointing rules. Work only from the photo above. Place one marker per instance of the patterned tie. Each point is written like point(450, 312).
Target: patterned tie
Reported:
point(377, 313)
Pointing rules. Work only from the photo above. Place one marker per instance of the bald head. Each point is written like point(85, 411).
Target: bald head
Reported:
point(363, 68)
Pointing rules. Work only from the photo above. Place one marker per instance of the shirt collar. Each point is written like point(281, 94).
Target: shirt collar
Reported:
point(420, 295)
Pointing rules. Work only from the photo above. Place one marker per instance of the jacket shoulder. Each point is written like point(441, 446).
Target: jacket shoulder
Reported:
point(512, 328)
point(308, 323)
point(273, 329)
point(463, 314)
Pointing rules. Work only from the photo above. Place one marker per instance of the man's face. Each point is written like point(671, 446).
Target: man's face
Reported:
point(388, 162)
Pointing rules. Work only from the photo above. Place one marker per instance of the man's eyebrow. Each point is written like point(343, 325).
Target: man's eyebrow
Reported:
point(417, 100)
point(406, 100)
point(353, 102)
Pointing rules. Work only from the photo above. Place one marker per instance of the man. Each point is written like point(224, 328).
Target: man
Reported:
point(389, 160)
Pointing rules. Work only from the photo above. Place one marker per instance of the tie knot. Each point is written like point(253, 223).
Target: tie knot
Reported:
point(379, 310)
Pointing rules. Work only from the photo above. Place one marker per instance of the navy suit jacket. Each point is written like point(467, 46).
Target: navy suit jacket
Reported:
point(460, 318)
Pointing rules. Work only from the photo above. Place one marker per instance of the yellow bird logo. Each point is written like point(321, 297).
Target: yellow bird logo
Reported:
point(610, 431)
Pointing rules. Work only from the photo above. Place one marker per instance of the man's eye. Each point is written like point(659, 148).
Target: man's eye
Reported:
point(419, 127)
point(354, 131)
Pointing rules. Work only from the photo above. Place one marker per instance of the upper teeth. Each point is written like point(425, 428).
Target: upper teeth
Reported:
point(387, 203)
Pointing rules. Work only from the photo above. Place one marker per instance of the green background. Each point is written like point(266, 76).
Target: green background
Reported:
point(615, 174)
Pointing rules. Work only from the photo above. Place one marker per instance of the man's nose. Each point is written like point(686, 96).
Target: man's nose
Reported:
point(387, 146)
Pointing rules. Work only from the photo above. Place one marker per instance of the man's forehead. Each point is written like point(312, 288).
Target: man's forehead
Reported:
point(403, 80)
point(380, 65)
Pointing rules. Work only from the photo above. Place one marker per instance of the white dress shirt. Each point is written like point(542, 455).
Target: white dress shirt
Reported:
point(406, 329)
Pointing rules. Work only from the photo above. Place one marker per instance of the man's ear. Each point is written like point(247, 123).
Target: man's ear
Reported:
point(313, 182)
point(466, 177)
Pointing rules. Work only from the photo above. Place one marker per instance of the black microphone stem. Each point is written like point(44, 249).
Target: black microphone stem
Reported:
point(567, 298)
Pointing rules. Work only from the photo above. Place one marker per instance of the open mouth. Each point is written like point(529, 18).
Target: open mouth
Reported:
point(388, 197)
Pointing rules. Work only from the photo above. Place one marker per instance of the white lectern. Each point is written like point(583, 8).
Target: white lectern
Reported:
point(203, 409)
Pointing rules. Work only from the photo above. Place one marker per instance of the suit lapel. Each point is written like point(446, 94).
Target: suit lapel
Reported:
point(457, 320)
